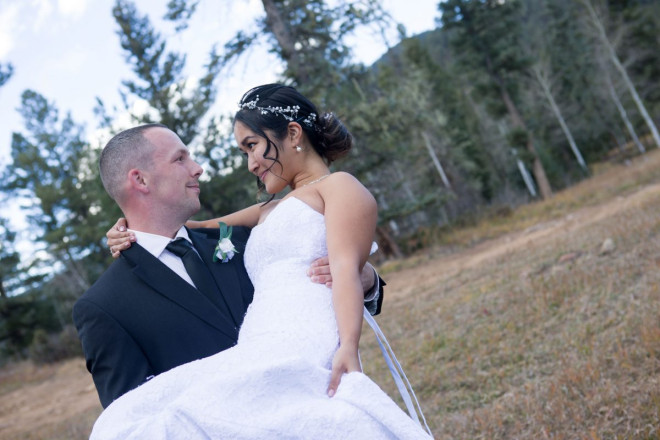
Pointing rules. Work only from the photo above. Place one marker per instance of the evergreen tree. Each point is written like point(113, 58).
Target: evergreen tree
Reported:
point(597, 20)
point(175, 102)
point(309, 36)
point(53, 170)
point(640, 45)
point(486, 43)
point(569, 54)
point(161, 80)
point(10, 259)
point(5, 73)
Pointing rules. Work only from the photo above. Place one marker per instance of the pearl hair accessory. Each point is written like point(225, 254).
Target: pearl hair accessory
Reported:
point(289, 113)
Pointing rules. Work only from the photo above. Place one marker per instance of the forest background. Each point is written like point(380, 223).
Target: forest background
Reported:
point(504, 103)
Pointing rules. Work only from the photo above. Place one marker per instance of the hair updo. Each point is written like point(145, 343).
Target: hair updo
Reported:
point(272, 106)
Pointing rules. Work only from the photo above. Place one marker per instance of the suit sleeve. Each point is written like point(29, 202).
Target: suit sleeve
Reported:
point(113, 358)
point(374, 299)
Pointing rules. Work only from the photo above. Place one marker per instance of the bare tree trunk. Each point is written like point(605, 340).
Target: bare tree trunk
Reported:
point(598, 24)
point(542, 78)
point(436, 161)
point(537, 166)
point(526, 177)
point(518, 122)
point(387, 243)
point(285, 40)
point(622, 112)
point(382, 203)
point(418, 217)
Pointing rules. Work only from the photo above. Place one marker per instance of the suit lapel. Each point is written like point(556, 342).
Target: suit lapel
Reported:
point(167, 283)
point(224, 274)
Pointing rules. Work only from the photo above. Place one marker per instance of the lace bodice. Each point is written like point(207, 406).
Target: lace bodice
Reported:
point(291, 237)
point(277, 257)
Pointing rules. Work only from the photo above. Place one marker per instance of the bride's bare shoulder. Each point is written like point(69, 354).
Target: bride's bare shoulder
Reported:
point(341, 183)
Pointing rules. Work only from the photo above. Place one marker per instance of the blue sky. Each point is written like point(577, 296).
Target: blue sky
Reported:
point(68, 51)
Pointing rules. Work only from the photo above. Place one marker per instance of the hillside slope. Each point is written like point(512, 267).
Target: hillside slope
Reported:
point(541, 324)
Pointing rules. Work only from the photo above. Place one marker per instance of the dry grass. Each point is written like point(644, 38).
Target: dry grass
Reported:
point(552, 338)
point(609, 181)
point(76, 427)
point(526, 330)
point(55, 401)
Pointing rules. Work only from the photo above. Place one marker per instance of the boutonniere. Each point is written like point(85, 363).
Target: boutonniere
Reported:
point(224, 250)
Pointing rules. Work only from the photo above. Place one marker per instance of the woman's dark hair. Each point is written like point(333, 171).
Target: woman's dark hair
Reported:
point(272, 106)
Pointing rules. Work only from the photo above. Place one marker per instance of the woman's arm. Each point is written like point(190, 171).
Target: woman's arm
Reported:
point(120, 238)
point(245, 217)
point(350, 218)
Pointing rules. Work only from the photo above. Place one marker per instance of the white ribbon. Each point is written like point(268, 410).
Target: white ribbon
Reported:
point(397, 373)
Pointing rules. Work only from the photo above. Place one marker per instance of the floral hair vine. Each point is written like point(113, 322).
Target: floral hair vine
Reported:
point(290, 113)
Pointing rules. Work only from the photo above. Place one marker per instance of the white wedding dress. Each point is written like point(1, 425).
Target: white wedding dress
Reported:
point(272, 384)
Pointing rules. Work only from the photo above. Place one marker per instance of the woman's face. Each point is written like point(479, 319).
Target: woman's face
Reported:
point(254, 147)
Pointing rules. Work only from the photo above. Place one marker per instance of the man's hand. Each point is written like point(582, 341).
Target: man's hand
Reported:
point(319, 272)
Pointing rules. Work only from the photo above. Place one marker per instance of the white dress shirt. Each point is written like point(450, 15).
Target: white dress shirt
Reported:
point(155, 245)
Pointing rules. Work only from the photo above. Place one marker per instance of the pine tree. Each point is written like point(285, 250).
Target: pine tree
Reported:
point(174, 101)
point(53, 169)
point(309, 36)
point(161, 79)
point(5, 73)
point(10, 258)
point(596, 20)
point(486, 43)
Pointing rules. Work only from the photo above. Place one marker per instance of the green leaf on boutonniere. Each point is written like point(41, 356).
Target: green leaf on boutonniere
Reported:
point(224, 250)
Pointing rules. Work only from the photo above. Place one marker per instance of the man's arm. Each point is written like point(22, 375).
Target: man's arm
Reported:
point(113, 358)
point(373, 297)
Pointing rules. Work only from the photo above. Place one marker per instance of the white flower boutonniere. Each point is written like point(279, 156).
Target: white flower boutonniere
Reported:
point(224, 250)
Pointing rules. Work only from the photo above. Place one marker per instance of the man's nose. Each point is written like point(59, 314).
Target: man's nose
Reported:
point(197, 169)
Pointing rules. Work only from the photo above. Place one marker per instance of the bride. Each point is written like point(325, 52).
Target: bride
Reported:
point(298, 339)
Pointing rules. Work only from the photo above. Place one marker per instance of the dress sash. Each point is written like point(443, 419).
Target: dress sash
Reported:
point(398, 374)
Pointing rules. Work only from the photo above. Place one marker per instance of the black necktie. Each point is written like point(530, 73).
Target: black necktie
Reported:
point(198, 272)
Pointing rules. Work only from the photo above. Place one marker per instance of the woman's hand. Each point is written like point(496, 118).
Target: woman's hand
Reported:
point(119, 238)
point(346, 360)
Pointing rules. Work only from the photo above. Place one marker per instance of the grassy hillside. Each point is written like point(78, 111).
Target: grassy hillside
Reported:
point(544, 323)
point(541, 324)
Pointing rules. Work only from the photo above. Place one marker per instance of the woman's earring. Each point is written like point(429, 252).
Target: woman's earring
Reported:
point(298, 148)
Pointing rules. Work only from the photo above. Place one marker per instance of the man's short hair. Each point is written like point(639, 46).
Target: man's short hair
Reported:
point(126, 150)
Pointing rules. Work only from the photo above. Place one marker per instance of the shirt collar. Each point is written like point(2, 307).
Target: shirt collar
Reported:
point(155, 244)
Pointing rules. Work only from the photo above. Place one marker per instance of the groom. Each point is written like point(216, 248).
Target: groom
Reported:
point(144, 315)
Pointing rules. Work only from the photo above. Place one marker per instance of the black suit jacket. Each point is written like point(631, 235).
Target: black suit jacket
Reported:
point(140, 318)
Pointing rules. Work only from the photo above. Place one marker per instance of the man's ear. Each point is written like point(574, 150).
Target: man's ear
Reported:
point(137, 180)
